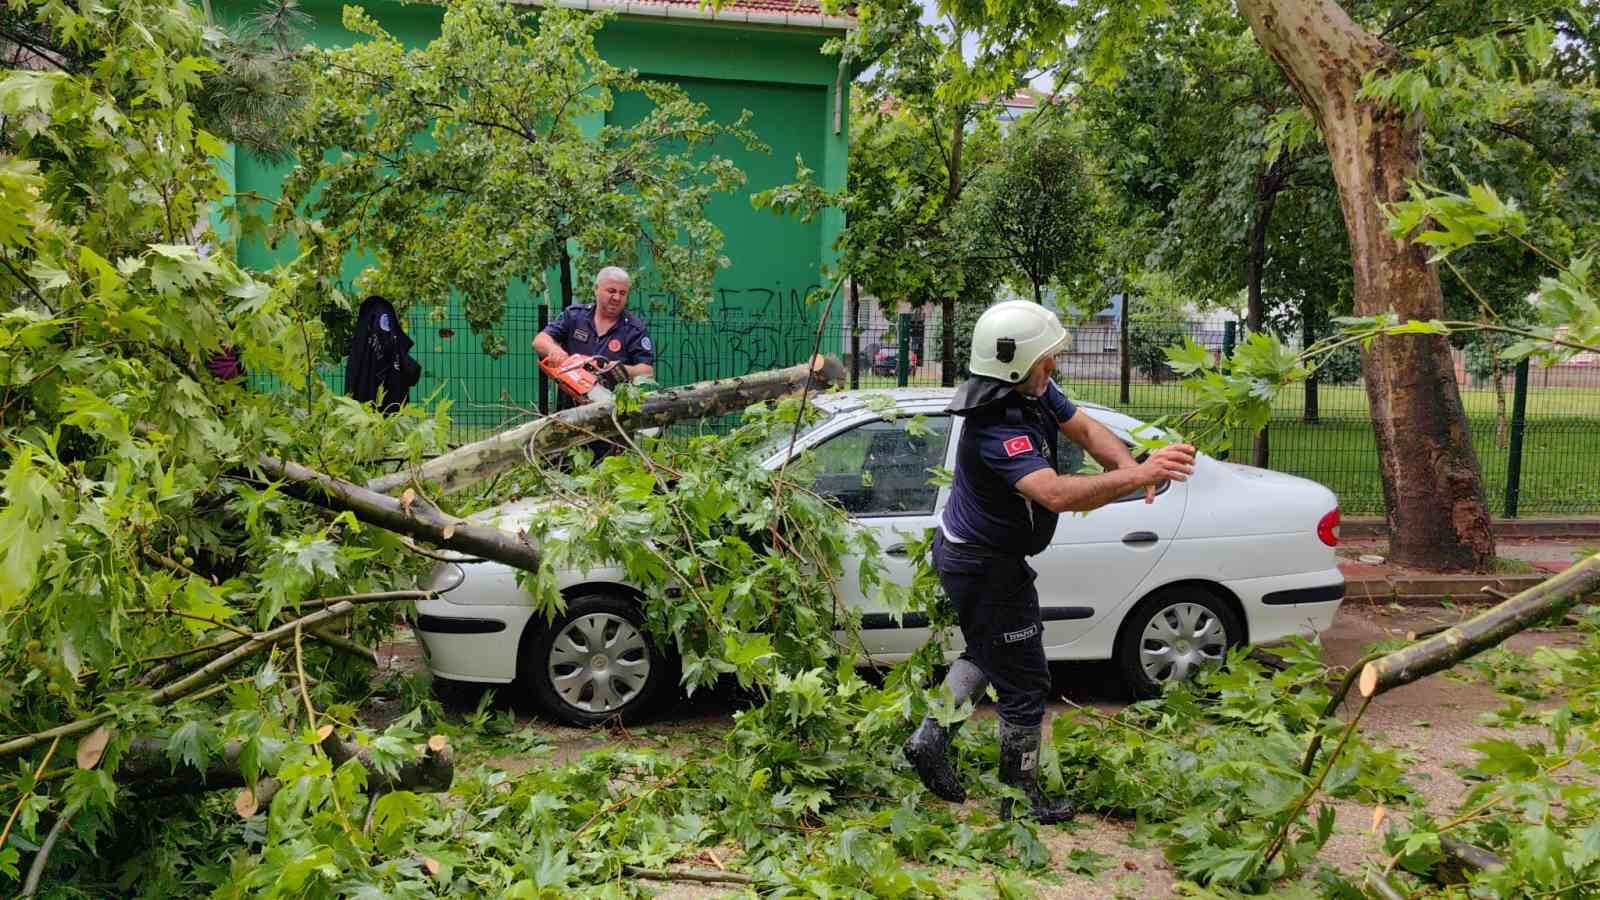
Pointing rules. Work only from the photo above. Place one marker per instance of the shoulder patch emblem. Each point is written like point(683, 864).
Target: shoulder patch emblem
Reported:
point(1018, 444)
point(645, 343)
point(614, 346)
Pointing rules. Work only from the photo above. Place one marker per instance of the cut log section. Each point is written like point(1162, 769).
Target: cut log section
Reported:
point(1483, 631)
point(570, 428)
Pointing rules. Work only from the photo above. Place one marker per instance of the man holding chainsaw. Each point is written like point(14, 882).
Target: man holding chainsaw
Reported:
point(1003, 507)
point(604, 330)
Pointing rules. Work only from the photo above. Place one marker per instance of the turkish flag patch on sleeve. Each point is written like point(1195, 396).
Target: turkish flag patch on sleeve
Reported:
point(1018, 444)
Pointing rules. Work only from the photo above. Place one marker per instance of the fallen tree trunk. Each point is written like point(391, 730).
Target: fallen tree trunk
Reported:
point(570, 428)
point(1483, 631)
point(146, 770)
point(408, 515)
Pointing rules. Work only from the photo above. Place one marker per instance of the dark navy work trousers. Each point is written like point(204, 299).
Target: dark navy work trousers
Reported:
point(997, 607)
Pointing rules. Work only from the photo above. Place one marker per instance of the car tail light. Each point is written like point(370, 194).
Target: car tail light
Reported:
point(1328, 528)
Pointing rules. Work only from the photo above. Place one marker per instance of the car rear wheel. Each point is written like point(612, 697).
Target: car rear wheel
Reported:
point(596, 663)
point(1171, 634)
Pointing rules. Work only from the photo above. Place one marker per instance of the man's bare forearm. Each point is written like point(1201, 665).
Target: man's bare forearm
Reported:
point(544, 344)
point(1079, 493)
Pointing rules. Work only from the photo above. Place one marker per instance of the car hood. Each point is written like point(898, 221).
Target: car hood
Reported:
point(515, 515)
point(491, 583)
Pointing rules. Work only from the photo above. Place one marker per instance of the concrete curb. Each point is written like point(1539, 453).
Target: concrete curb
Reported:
point(1430, 590)
point(1570, 527)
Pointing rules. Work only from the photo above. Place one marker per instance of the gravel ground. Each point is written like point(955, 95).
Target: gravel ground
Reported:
point(1436, 719)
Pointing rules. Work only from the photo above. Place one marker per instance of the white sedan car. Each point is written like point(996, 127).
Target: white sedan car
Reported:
point(1234, 554)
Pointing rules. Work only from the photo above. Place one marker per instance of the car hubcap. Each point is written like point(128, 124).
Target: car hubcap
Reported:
point(1178, 639)
point(599, 662)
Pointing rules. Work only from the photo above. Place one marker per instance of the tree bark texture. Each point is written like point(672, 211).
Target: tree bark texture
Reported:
point(1268, 185)
point(1482, 631)
point(1437, 513)
point(408, 515)
point(947, 306)
point(947, 342)
point(855, 334)
point(1310, 413)
point(569, 428)
point(566, 273)
point(1497, 373)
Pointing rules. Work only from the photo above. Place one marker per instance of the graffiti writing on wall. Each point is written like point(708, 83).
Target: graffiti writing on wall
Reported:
point(747, 330)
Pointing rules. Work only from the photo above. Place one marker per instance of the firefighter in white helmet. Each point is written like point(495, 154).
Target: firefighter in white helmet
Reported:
point(1003, 508)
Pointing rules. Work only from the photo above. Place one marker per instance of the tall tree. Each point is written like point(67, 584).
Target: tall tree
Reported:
point(464, 166)
point(1035, 208)
point(1433, 490)
point(941, 80)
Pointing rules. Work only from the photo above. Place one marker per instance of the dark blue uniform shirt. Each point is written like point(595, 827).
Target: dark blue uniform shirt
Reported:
point(628, 342)
point(1001, 443)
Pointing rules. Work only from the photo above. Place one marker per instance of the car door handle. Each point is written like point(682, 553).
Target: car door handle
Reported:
point(896, 550)
point(1135, 538)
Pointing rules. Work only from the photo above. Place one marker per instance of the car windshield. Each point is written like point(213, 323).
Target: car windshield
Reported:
point(779, 442)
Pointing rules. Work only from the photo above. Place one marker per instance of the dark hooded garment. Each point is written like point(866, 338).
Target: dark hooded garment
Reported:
point(380, 360)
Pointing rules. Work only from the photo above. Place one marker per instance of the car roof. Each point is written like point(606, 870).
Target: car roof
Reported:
point(852, 401)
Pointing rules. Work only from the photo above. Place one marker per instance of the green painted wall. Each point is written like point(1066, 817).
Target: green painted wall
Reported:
point(758, 317)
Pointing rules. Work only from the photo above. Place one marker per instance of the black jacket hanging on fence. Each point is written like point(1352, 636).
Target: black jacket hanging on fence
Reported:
point(380, 361)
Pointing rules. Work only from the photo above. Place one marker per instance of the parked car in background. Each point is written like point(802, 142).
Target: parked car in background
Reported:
point(886, 360)
point(1234, 554)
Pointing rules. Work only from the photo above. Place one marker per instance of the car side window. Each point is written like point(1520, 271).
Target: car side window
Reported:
point(1072, 460)
point(880, 468)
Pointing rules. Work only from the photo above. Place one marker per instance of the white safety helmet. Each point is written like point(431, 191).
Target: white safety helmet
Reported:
point(1011, 336)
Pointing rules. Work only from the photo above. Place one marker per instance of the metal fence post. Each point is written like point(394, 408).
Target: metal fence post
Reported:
point(1519, 411)
point(1125, 363)
point(544, 380)
point(903, 364)
point(1230, 334)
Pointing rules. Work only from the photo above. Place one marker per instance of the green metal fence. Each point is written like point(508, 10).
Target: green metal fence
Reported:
point(1556, 472)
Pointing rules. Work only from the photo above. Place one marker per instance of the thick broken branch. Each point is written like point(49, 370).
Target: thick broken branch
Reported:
point(188, 684)
point(700, 876)
point(569, 428)
point(146, 770)
point(42, 858)
point(1485, 630)
point(345, 645)
point(410, 516)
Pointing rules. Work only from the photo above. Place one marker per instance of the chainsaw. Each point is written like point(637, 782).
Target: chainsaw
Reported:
point(580, 377)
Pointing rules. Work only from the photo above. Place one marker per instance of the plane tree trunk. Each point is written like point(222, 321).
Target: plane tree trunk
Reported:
point(1437, 513)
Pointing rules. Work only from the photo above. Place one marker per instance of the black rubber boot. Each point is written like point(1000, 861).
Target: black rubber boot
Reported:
point(928, 748)
point(1019, 767)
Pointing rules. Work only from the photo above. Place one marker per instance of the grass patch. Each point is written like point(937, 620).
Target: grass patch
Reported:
point(1504, 566)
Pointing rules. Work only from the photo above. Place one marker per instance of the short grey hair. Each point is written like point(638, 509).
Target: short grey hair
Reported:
point(612, 273)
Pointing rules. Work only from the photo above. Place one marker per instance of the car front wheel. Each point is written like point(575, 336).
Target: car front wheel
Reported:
point(1171, 634)
point(596, 663)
